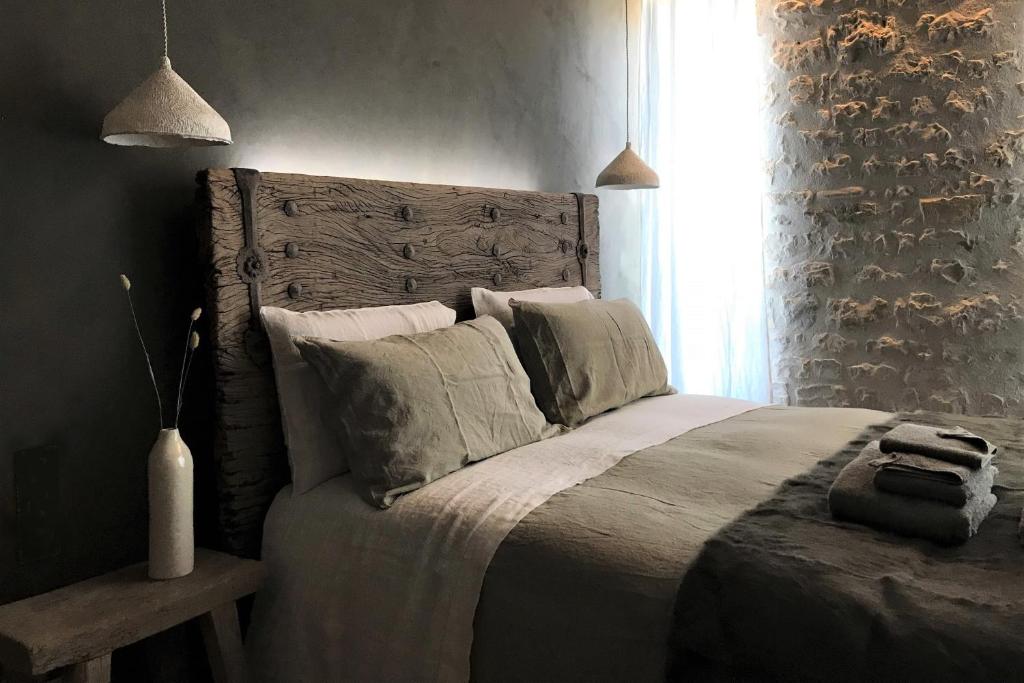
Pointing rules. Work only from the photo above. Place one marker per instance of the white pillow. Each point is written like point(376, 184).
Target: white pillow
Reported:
point(487, 302)
point(314, 452)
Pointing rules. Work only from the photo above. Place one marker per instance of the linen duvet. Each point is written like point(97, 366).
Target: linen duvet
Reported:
point(604, 554)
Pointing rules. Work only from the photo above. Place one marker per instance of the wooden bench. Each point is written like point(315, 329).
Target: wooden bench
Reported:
point(75, 628)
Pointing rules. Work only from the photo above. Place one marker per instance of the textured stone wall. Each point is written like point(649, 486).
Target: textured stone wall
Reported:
point(894, 222)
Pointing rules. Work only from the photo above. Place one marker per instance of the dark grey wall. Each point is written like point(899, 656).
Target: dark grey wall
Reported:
point(524, 94)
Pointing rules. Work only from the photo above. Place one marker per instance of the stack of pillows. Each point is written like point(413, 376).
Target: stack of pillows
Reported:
point(401, 395)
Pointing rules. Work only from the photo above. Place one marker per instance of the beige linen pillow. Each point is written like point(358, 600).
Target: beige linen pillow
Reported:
point(314, 452)
point(587, 357)
point(487, 302)
point(413, 408)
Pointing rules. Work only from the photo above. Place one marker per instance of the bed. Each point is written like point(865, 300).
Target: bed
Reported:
point(635, 547)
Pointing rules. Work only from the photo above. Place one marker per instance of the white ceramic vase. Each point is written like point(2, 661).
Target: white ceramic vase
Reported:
point(171, 542)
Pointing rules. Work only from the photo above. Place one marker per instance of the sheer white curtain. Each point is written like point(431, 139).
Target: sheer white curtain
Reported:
point(700, 129)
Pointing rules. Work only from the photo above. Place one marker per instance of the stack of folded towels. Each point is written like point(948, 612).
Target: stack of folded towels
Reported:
point(931, 482)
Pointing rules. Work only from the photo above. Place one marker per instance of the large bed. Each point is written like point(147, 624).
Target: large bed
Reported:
point(679, 537)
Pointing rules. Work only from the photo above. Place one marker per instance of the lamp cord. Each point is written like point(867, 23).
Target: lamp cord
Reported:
point(627, 71)
point(163, 6)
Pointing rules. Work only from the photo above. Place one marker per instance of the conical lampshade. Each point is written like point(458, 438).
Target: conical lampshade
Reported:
point(164, 111)
point(628, 172)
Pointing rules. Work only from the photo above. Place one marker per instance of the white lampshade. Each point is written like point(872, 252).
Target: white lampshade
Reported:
point(164, 111)
point(628, 172)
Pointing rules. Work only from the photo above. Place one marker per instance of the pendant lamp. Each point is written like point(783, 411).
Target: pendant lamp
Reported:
point(628, 171)
point(164, 111)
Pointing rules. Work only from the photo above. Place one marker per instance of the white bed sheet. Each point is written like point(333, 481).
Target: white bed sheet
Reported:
point(358, 594)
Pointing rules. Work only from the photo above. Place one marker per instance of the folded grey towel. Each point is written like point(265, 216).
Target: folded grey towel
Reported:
point(853, 497)
point(910, 474)
point(955, 445)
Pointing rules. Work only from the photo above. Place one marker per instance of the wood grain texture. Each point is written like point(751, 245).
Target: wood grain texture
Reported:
point(346, 243)
point(90, 619)
point(223, 640)
point(92, 671)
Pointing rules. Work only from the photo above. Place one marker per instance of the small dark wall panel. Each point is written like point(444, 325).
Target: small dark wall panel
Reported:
point(37, 485)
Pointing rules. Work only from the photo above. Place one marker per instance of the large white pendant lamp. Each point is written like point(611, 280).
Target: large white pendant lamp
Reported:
point(628, 171)
point(164, 111)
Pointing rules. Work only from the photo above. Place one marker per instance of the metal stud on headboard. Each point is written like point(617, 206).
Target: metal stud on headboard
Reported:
point(582, 248)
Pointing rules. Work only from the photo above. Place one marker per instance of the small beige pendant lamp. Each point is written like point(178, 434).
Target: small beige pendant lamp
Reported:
point(164, 111)
point(628, 171)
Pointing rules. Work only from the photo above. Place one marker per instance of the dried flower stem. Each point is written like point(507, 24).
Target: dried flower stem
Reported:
point(188, 367)
point(191, 344)
point(149, 364)
point(181, 373)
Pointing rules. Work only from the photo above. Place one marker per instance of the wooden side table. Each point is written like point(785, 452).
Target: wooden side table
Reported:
point(75, 628)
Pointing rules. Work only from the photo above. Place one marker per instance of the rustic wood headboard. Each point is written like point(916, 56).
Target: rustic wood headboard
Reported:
point(308, 243)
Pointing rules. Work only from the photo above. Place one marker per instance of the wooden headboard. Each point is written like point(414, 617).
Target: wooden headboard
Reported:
point(308, 243)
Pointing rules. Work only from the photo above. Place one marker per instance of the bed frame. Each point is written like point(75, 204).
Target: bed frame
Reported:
point(309, 243)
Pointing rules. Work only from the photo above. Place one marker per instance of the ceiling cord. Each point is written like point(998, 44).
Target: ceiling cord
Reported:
point(627, 72)
point(163, 6)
